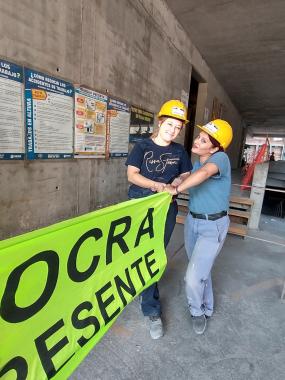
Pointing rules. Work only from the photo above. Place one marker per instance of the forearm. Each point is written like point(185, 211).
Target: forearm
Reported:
point(184, 176)
point(178, 180)
point(140, 180)
point(193, 180)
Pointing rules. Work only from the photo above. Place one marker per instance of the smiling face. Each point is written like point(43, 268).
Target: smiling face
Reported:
point(202, 146)
point(169, 129)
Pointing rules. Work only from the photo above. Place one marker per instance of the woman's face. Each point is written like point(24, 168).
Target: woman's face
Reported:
point(169, 129)
point(202, 145)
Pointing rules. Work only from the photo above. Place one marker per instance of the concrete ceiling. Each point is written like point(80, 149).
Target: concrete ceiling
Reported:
point(243, 42)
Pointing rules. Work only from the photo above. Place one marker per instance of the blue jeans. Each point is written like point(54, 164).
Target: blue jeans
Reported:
point(204, 240)
point(150, 303)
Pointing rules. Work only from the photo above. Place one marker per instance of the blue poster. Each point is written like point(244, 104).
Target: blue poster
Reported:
point(12, 137)
point(49, 116)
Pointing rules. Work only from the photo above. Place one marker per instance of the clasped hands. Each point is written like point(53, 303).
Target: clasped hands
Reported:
point(170, 188)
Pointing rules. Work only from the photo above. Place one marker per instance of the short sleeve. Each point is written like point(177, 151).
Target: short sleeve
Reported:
point(221, 160)
point(135, 157)
point(186, 164)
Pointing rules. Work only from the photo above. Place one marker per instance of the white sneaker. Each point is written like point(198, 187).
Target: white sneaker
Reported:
point(155, 327)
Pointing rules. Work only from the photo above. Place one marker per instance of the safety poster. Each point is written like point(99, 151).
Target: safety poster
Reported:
point(118, 127)
point(49, 116)
point(141, 124)
point(12, 139)
point(90, 123)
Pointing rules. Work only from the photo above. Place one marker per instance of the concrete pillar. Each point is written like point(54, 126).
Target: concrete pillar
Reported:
point(257, 193)
point(201, 103)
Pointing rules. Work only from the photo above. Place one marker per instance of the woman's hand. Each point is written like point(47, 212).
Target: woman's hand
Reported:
point(176, 181)
point(170, 189)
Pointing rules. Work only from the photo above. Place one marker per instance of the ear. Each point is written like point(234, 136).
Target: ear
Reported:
point(214, 150)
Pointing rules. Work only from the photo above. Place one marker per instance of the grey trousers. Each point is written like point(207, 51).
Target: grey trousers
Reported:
point(204, 240)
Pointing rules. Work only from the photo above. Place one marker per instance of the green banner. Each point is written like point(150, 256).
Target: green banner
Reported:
point(62, 287)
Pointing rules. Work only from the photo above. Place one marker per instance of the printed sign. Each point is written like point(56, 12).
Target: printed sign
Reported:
point(62, 287)
point(49, 116)
point(118, 127)
point(12, 135)
point(90, 123)
point(141, 124)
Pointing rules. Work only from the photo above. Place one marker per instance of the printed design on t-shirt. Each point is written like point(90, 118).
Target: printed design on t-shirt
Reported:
point(159, 164)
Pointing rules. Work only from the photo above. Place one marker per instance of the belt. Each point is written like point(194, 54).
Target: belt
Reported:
point(209, 216)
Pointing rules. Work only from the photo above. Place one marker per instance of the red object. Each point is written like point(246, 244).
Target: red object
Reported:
point(260, 157)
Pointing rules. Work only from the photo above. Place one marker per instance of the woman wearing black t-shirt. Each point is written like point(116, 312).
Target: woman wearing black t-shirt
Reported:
point(152, 164)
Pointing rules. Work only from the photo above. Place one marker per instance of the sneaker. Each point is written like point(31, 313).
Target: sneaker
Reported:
point(199, 324)
point(155, 327)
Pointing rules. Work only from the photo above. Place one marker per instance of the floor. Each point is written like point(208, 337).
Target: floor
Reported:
point(245, 338)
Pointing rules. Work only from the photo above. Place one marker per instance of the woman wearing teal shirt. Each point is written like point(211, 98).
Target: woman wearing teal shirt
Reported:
point(207, 223)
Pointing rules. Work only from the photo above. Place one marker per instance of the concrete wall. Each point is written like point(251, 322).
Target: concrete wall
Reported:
point(134, 49)
point(230, 114)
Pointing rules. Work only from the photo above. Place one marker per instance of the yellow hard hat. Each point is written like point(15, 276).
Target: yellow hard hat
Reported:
point(175, 109)
point(220, 130)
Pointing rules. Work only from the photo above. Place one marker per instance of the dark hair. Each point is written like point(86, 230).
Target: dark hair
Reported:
point(216, 144)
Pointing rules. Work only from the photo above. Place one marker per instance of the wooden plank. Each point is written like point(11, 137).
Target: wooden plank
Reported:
point(185, 192)
point(241, 213)
point(183, 208)
point(233, 212)
point(180, 219)
point(237, 202)
point(234, 199)
point(239, 206)
point(237, 229)
point(184, 202)
point(183, 199)
point(241, 200)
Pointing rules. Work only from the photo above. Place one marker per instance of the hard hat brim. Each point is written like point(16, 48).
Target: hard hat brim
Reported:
point(203, 129)
point(206, 131)
point(185, 121)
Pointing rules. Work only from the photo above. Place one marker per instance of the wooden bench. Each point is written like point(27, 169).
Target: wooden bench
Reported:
point(239, 212)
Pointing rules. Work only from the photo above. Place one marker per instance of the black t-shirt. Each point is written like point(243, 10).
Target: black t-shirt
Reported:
point(158, 163)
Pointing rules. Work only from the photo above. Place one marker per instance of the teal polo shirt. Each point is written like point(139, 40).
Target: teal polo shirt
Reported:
point(212, 196)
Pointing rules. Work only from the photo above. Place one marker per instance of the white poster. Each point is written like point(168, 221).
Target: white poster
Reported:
point(119, 127)
point(49, 116)
point(90, 123)
point(12, 145)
